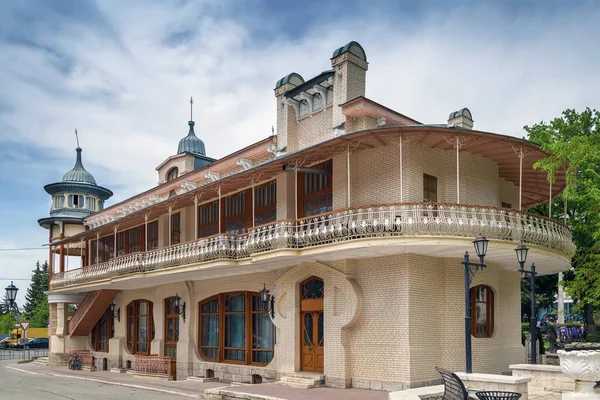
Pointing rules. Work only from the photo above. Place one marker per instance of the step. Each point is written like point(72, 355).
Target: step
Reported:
point(118, 370)
point(202, 379)
point(293, 379)
point(301, 381)
point(297, 385)
point(307, 375)
point(40, 361)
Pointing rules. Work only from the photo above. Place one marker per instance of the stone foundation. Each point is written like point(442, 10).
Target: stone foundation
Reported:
point(112, 361)
point(234, 373)
point(544, 378)
point(58, 359)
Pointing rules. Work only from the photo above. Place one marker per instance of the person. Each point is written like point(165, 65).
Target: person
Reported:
point(552, 334)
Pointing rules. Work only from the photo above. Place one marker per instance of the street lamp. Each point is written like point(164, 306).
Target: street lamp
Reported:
point(521, 252)
point(268, 300)
point(11, 294)
point(481, 244)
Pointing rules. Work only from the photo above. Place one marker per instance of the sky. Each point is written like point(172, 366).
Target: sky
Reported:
point(122, 73)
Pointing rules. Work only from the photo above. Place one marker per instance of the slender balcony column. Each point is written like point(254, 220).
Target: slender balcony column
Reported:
point(62, 248)
point(170, 227)
point(146, 231)
point(401, 173)
point(550, 201)
point(67, 258)
point(253, 206)
point(219, 210)
point(561, 301)
point(521, 155)
point(296, 191)
point(115, 242)
point(348, 175)
point(81, 250)
point(457, 170)
point(195, 217)
point(97, 246)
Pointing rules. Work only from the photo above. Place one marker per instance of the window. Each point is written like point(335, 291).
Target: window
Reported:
point(237, 213)
point(134, 239)
point(76, 201)
point(140, 326)
point(153, 235)
point(171, 328)
point(429, 189)
point(265, 203)
point(482, 311)
point(103, 331)
point(103, 249)
point(172, 174)
point(315, 190)
point(208, 219)
point(175, 228)
point(248, 334)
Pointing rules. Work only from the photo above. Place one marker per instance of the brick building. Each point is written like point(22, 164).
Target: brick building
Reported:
point(355, 218)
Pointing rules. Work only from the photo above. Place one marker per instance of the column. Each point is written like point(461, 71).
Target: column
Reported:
point(561, 302)
point(348, 203)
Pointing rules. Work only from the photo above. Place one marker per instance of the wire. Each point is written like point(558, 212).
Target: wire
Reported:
point(24, 249)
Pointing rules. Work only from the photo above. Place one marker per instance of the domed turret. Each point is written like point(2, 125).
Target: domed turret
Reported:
point(191, 143)
point(79, 173)
point(76, 196)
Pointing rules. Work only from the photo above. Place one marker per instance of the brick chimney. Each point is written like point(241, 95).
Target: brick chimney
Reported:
point(461, 118)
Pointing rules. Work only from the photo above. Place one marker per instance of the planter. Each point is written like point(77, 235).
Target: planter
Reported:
point(584, 367)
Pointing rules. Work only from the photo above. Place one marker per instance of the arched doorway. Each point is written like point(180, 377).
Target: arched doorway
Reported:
point(312, 325)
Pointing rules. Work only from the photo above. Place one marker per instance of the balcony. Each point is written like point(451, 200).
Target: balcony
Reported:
point(369, 226)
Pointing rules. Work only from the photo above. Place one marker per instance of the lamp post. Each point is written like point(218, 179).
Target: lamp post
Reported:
point(521, 252)
point(481, 244)
point(11, 296)
point(268, 300)
point(179, 308)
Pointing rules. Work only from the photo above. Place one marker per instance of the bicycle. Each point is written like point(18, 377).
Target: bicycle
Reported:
point(75, 362)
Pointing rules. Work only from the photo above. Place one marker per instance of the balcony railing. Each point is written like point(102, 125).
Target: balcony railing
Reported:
point(375, 221)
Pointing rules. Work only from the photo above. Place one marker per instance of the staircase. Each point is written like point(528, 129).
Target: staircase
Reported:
point(89, 311)
point(302, 380)
point(41, 361)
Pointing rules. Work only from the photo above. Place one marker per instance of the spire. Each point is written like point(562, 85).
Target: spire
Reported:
point(79, 173)
point(191, 143)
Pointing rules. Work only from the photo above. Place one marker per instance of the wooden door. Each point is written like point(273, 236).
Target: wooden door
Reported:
point(171, 333)
point(312, 324)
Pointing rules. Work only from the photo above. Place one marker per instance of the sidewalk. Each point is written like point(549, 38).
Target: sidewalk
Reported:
point(195, 389)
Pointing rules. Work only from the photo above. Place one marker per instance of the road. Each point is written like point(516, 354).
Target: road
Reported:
point(26, 386)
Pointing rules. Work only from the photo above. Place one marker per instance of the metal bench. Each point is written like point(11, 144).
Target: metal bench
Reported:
point(454, 388)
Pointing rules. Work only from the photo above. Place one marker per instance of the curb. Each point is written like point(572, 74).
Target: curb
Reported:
point(129, 385)
point(241, 395)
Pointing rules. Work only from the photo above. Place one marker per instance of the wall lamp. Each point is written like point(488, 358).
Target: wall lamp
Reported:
point(268, 300)
point(116, 314)
point(179, 308)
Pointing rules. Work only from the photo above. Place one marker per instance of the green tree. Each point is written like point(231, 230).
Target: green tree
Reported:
point(35, 292)
point(39, 317)
point(7, 322)
point(574, 141)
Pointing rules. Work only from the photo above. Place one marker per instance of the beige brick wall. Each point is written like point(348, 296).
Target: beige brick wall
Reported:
point(310, 129)
point(389, 320)
point(184, 165)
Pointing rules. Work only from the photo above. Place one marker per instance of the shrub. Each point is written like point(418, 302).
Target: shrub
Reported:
point(593, 338)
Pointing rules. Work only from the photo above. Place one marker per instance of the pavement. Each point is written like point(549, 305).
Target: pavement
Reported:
point(31, 381)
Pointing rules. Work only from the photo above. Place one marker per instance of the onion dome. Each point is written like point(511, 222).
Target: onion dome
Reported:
point(191, 143)
point(79, 173)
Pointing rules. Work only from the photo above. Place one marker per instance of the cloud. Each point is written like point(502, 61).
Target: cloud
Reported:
point(122, 75)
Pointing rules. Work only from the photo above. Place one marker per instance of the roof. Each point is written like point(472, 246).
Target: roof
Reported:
point(502, 149)
point(309, 84)
point(352, 47)
point(191, 143)
point(78, 173)
point(288, 79)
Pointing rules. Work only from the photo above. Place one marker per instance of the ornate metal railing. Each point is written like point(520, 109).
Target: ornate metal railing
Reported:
point(375, 221)
point(160, 365)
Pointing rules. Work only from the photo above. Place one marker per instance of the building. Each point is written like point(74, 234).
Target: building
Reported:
point(355, 217)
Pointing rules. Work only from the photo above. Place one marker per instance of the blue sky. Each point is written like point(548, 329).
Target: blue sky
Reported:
point(122, 73)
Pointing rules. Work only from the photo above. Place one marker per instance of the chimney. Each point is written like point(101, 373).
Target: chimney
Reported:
point(461, 119)
point(350, 66)
point(283, 85)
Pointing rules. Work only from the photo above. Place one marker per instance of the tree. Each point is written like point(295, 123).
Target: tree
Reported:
point(574, 141)
point(7, 322)
point(39, 317)
point(35, 292)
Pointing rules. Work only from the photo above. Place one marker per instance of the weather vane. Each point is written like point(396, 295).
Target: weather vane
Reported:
point(191, 108)
point(77, 137)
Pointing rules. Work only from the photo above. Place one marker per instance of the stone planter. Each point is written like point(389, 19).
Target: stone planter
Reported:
point(584, 367)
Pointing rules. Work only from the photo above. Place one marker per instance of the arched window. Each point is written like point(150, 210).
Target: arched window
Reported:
point(317, 102)
point(172, 174)
point(482, 311)
point(103, 331)
point(304, 108)
point(140, 326)
point(248, 334)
